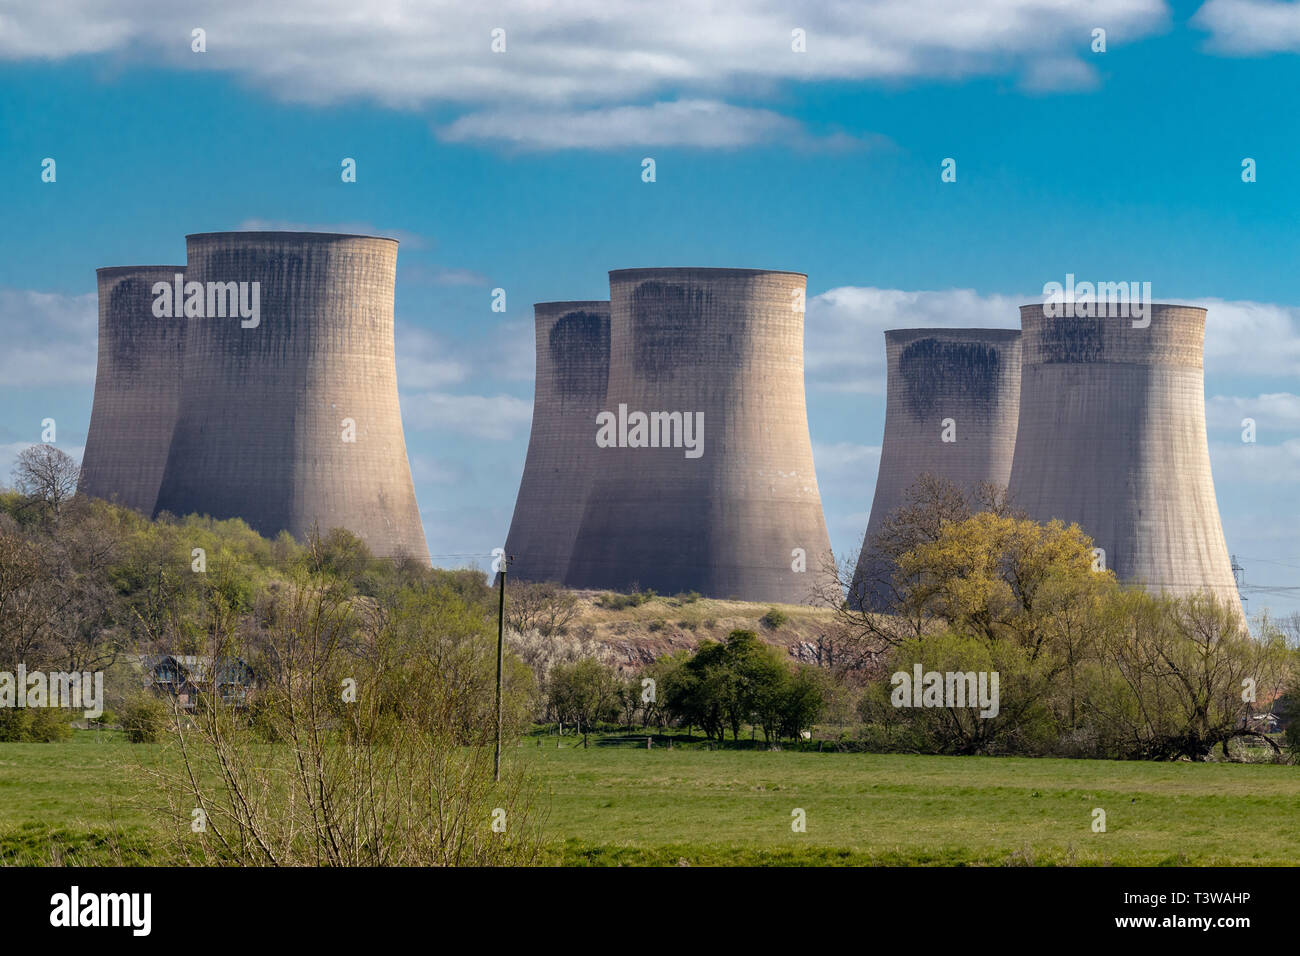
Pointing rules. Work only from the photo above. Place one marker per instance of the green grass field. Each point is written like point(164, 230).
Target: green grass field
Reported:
point(625, 805)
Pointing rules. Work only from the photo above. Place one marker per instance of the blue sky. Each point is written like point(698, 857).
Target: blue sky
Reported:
point(522, 170)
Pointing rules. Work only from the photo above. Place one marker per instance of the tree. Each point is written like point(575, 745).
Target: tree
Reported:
point(629, 699)
point(543, 606)
point(1178, 675)
point(695, 691)
point(996, 592)
point(803, 701)
point(756, 680)
point(725, 686)
point(932, 504)
point(585, 691)
point(670, 689)
point(45, 474)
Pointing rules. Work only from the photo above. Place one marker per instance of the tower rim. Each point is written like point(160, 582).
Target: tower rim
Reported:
point(289, 235)
point(711, 272)
point(119, 270)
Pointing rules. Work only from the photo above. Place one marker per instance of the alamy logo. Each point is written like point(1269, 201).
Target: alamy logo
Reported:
point(212, 300)
point(654, 430)
point(75, 908)
point(1104, 300)
point(77, 691)
point(947, 689)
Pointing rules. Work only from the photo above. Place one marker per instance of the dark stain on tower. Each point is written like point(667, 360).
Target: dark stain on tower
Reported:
point(966, 373)
point(971, 376)
point(666, 330)
point(569, 391)
point(1071, 340)
point(579, 344)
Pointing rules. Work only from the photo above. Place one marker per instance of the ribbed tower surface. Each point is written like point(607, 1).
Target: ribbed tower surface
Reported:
point(572, 375)
point(137, 389)
point(971, 376)
point(1112, 436)
point(264, 411)
point(733, 522)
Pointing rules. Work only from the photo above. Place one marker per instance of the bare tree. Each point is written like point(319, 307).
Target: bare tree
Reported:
point(45, 474)
point(542, 606)
point(1289, 626)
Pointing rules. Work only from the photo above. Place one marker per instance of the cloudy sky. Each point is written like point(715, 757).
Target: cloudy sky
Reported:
point(522, 170)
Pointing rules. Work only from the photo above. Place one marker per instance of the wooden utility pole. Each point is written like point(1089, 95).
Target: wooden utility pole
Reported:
point(501, 645)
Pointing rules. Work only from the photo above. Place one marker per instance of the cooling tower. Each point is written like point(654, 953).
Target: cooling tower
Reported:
point(290, 419)
point(572, 373)
point(713, 490)
point(952, 399)
point(1112, 436)
point(137, 387)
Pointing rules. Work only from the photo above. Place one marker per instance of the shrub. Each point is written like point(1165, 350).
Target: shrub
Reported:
point(775, 618)
point(34, 725)
point(619, 602)
point(144, 718)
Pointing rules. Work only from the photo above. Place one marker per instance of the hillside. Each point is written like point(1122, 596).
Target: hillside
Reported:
point(638, 634)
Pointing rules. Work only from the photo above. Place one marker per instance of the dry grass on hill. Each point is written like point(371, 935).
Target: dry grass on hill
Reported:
point(639, 634)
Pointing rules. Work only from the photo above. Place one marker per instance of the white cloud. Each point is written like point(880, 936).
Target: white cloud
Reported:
point(1241, 462)
point(428, 361)
point(702, 123)
point(409, 54)
point(431, 471)
point(497, 417)
point(844, 347)
point(1051, 74)
point(423, 359)
point(1251, 338)
point(845, 460)
point(50, 338)
point(1272, 413)
point(845, 351)
point(1248, 27)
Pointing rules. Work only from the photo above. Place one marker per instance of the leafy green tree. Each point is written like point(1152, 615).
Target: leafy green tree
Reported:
point(586, 691)
point(803, 701)
point(755, 684)
point(697, 691)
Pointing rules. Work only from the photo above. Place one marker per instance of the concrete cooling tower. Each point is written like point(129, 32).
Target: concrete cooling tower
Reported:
point(704, 475)
point(572, 374)
point(289, 415)
point(137, 387)
point(953, 396)
point(1112, 436)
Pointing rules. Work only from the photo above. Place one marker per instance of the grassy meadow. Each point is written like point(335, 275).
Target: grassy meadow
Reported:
point(86, 802)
